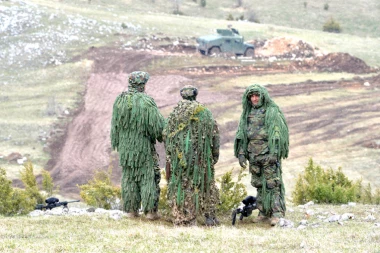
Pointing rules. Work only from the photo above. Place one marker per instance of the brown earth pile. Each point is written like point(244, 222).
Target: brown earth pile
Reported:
point(285, 47)
point(338, 62)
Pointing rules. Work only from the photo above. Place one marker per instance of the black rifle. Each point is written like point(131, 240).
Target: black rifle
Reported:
point(249, 205)
point(54, 202)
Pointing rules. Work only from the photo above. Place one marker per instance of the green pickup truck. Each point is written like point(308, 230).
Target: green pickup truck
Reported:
point(225, 41)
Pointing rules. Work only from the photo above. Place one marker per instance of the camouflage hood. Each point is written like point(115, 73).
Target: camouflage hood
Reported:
point(275, 123)
point(137, 81)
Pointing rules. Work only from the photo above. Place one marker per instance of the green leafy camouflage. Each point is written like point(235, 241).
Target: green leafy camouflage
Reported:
point(192, 148)
point(263, 139)
point(136, 125)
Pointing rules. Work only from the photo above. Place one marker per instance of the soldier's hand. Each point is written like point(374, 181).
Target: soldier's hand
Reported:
point(242, 161)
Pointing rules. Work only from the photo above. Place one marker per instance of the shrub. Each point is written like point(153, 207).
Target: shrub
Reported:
point(305, 5)
point(30, 183)
point(326, 7)
point(230, 17)
point(99, 191)
point(163, 205)
point(231, 193)
point(47, 183)
point(13, 201)
point(329, 186)
point(203, 3)
point(332, 26)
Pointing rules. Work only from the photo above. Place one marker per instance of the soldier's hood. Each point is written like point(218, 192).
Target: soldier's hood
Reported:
point(261, 91)
point(137, 81)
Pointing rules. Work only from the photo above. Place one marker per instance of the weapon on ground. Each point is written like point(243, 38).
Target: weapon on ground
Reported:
point(54, 202)
point(245, 211)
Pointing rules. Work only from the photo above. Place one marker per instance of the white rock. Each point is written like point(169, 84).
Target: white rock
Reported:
point(36, 213)
point(367, 84)
point(347, 216)
point(303, 222)
point(301, 227)
point(377, 225)
point(351, 203)
point(100, 210)
point(310, 203)
point(334, 218)
point(285, 223)
point(310, 212)
point(370, 218)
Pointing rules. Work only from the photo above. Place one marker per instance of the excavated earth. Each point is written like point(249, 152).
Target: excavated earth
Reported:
point(85, 144)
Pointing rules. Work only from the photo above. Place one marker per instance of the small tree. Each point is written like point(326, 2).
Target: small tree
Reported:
point(99, 191)
point(230, 17)
point(329, 186)
point(332, 26)
point(47, 183)
point(231, 193)
point(29, 180)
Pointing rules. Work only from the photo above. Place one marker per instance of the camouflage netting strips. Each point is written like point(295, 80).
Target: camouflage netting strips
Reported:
point(278, 141)
point(188, 143)
point(136, 124)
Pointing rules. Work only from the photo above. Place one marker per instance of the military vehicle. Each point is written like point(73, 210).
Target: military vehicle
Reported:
point(225, 41)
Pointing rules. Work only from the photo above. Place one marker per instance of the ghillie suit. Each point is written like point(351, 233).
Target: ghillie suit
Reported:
point(192, 148)
point(135, 127)
point(262, 138)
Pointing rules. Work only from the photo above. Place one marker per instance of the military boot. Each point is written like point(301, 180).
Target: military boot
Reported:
point(132, 215)
point(260, 219)
point(274, 221)
point(152, 216)
point(211, 221)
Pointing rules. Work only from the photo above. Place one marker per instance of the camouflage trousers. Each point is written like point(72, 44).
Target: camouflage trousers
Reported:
point(141, 191)
point(267, 179)
point(187, 212)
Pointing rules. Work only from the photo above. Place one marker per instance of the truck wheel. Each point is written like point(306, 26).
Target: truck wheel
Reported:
point(250, 52)
point(214, 51)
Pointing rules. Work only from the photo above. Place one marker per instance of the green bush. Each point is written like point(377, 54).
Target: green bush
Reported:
point(163, 205)
point(332, 26)
point(99, 191)
point(326, 7)
point(230, 17)
point(47, 183)
point(231, 193)
point(30, 183)
point(203, 3)
point(14, 201)
point(329, 186)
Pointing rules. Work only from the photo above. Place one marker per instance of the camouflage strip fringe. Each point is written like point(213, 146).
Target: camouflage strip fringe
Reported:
point(275, 125)
point(188, 144)
point(136, 124)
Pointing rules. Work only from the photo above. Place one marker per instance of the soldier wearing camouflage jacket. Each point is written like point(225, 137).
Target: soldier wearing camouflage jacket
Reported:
point(263, 139)
point(135, 127)
point(192, 149)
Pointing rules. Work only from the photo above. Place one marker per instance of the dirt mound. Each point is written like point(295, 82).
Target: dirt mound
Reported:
point(340, 62)
point(285, 47)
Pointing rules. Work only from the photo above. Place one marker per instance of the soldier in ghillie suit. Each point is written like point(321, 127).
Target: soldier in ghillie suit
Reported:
point(262, 138)
point(135, 127)
point(192, 149)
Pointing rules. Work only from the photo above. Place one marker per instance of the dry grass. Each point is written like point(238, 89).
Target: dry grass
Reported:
point(98, 233)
